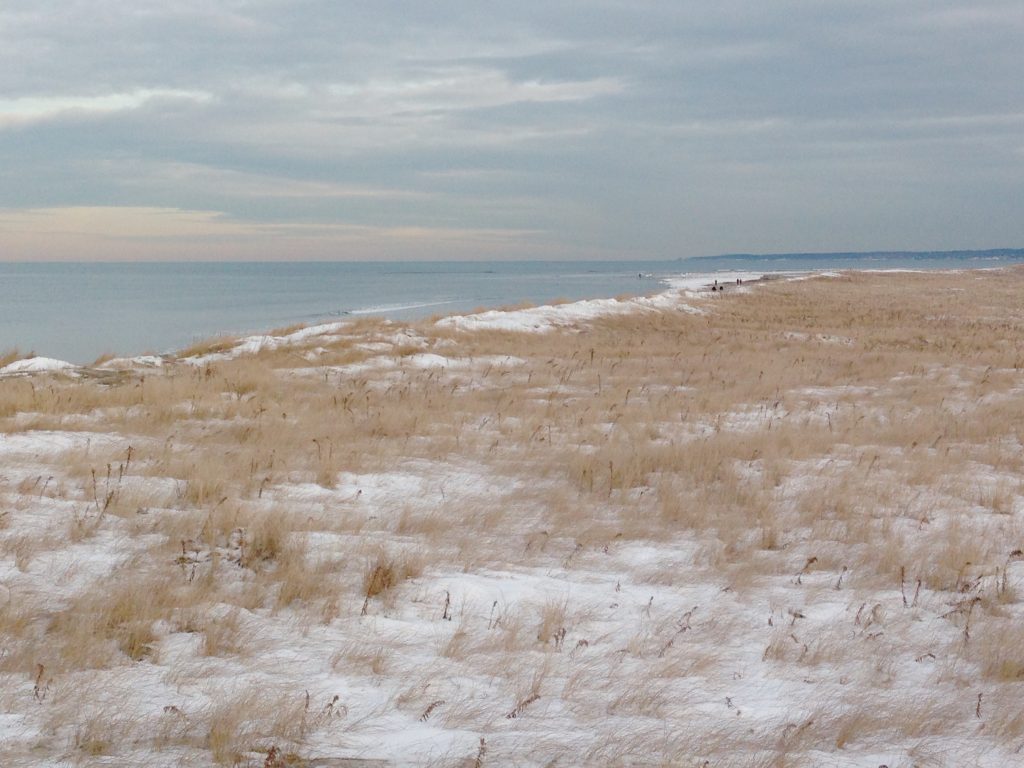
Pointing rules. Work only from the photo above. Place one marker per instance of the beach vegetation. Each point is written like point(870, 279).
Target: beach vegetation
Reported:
point(754, 530)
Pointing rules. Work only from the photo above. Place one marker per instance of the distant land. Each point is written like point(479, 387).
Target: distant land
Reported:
point(991, 253)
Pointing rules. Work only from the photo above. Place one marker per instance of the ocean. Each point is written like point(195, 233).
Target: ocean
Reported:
point(79, 311)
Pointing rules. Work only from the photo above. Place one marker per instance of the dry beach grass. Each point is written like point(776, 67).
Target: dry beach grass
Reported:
point(780, 525)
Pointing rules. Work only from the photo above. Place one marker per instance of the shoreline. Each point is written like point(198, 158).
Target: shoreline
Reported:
point(675, 289)
point(130, 310)
point(785, 528)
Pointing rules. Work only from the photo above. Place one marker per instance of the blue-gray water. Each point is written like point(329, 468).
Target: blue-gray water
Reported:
point(77, 312)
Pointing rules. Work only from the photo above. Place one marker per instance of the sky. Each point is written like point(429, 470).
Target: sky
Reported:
point(469, 129)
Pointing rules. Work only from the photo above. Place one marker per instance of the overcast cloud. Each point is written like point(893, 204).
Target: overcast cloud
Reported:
point(315, 129)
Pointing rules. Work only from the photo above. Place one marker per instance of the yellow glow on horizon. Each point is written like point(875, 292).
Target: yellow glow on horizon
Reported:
point(117, 222)
point(139, 232)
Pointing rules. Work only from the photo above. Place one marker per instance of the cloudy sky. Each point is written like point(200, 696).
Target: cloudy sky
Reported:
point(325, 129)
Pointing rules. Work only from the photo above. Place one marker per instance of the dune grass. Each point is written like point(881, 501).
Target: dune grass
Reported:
point(784, 528)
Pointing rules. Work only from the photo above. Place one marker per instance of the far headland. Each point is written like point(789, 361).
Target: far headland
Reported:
point(988, 253)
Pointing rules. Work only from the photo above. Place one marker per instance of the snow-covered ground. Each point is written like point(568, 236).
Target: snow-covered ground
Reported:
point(766, 527)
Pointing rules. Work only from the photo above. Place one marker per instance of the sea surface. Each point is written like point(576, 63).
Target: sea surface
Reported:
point(77, 311)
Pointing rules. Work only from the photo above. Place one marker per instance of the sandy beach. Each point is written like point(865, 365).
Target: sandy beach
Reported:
point(774, 525)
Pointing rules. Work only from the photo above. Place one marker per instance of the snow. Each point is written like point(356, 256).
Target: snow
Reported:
point(548, 318)
point(427, 360)
point(663, 638)
point(684, 290)
point(824, 338)
point(620, 619)
point(139, 361)
point(37, 365)
point(702, 282)
point(43, 444)
point(681, 296)
point(251, 345)
point(313, 331)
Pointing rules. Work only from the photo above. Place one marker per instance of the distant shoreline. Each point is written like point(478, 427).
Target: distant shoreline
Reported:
point(966, 255)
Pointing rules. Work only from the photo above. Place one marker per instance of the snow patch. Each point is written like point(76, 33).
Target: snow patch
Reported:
point(127, 363)
point(37, 365)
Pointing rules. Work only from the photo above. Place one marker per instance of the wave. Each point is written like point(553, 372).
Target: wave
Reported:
point(385, 308)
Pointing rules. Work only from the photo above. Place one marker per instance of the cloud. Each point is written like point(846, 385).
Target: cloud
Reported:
point(1002, 16)
point(115, 223)
point(242, 184)
point(581, 128)
point(146, 233)
point(33, 109)
point(453, 89)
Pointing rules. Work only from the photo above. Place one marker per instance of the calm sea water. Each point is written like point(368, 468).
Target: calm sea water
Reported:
point(77, 312)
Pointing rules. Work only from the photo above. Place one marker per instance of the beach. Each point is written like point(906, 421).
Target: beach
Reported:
point(775, 524)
